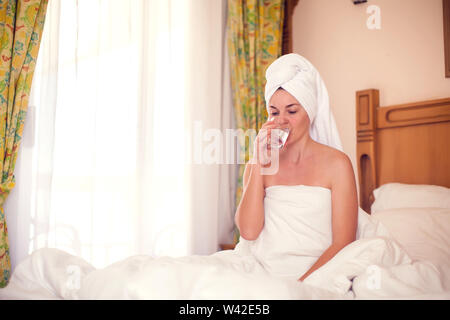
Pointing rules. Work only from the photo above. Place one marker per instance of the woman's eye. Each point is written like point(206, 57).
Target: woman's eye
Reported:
point(276, 113)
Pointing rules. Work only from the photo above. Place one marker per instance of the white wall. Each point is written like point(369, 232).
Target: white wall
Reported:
point(404, 59)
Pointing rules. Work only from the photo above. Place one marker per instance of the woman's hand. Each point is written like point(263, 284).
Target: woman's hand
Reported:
point(262, 146)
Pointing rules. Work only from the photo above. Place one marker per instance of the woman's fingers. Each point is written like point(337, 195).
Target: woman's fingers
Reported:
point(263, 146)
point(269, 124)
point(267, 127)
point(264, 137)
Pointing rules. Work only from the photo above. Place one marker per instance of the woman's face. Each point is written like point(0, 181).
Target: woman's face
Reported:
point(289, 113)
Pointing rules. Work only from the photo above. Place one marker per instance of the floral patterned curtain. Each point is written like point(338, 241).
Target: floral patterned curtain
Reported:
point(21, 26)
point(255, 29)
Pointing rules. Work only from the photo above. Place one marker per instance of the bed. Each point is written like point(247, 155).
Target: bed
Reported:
point(403, 159)
point(407, 143)
point(402, 250)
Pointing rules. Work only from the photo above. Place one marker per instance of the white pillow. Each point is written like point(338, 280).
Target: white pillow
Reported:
point(424, 233)
point(401, 195)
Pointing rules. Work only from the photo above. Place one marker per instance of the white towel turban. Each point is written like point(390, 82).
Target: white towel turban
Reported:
point(298, 76)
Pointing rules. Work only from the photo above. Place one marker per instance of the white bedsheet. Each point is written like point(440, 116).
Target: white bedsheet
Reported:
point(296, 232)
point(49, 274)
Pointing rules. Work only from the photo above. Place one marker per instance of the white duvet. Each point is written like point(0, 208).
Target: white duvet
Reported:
point(296, 232)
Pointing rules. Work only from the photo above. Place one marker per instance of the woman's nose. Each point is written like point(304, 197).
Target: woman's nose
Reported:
point(281, 120)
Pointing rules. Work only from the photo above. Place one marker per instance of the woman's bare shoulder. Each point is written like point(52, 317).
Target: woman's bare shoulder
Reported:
point(334, 162)
point(331, 155)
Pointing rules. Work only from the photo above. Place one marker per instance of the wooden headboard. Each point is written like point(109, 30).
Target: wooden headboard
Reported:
point(408, 143)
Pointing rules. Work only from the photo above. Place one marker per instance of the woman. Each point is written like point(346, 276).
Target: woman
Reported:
point(307, 168)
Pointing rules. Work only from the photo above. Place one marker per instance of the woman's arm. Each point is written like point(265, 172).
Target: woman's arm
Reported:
point(249, 216)
point(250, 213)
point(344, 211)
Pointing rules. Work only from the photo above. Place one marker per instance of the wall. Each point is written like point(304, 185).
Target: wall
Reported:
point(404, 59)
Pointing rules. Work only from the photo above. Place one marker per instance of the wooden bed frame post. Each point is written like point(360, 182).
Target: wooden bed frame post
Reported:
point(367, 102)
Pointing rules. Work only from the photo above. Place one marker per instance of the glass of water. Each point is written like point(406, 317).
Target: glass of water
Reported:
point(279, 137)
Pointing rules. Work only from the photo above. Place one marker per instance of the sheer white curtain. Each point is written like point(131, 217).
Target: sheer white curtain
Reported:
point(105, 170)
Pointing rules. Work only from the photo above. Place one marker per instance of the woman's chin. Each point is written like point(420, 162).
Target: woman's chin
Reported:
point(287, 143)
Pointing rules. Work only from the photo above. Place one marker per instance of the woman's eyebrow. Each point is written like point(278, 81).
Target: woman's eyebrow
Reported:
point(288, 106)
